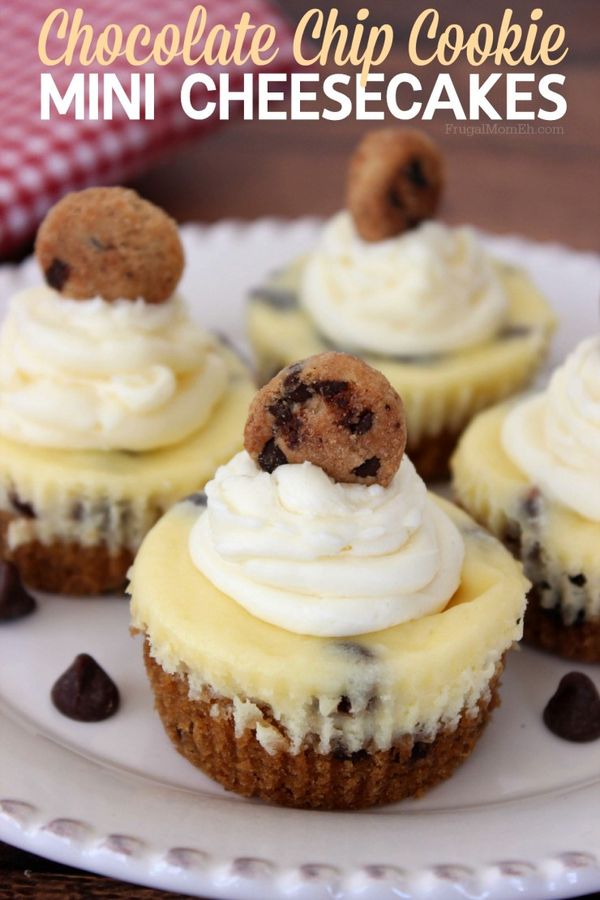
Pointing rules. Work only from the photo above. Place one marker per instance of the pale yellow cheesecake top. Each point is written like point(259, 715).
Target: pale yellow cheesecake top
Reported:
point(440, 390)
point(408, 679)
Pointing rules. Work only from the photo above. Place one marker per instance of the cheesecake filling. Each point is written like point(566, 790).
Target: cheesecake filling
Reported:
point(306, 553)
point(430, 290)
point(99, 375)
point(338, 694)
point(554, 437)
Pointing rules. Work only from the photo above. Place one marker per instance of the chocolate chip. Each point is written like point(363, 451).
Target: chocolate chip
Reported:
point(277, 298)
point(514, 331)
point(394, 199)
point(76, 512)
point(15, 602)
point(85, 692)
point(368, 468)
point(281, 410)
point(355, 649)
point(288, 424)
point(414, 173)
point(329, 389)
point(57, 273)
point(420, 750)
point(532, 503)
point(198, 499)
point(345, 705)
point(300, 394)
point(573, 713)
point(345, 756)
point(359, 424)
point(578, 580)
point(271, 456)
point(23, 507)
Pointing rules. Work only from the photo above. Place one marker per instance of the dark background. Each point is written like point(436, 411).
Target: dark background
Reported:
point(546, 187)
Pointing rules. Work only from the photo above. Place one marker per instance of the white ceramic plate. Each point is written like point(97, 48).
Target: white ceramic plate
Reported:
point(520, 819)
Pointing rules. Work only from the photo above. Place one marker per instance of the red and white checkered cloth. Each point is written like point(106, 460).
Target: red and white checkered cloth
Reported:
point(42, 160)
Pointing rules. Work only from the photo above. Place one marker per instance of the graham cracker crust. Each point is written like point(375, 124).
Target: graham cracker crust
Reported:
point(545, 628)
point(66, 567)
point(307, 780)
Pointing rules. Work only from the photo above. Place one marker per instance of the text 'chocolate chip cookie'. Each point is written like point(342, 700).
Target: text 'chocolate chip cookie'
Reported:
point(110, 243)
point(395, 181)
point(334, 411)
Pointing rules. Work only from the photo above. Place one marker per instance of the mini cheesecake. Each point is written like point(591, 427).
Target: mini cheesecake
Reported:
point(558, 546)
point(322, 722)
point(441, 393)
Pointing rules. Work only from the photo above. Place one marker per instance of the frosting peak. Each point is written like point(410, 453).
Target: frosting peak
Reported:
point(430, 290)
point(93, 374)
point(314, 556)
point(554, 437)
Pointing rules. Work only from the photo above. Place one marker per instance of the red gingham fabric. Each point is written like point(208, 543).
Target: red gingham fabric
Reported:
point(42, 160)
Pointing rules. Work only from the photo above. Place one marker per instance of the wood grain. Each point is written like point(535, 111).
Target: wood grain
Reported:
point(546, 187)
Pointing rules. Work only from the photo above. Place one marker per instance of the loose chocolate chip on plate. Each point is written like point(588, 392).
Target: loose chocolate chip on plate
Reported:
point(85, 692)
point(15, 602)
point(573, 713)
point(23, 507)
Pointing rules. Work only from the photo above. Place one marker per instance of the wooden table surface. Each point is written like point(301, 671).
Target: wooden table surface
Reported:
point(543, 186)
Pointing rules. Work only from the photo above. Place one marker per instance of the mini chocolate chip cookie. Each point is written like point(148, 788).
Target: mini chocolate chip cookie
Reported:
point(395, 181)
point(108, 242)
point(334, 411)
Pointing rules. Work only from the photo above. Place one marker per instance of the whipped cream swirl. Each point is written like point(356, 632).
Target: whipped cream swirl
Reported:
point(89, 374)
point(313, 556)
point(554, 437)
point(430, 290)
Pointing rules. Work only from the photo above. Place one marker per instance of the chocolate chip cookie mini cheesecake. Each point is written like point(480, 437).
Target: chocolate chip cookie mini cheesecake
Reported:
point(530, 472)
point(453, 329)
point(320, 631)
point(114, 404)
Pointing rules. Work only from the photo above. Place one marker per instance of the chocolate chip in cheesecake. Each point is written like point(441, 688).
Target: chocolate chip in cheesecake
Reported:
point(573, 712)
point(23, 507)
point(15, 601)
point(85, 692)
point(334, 411)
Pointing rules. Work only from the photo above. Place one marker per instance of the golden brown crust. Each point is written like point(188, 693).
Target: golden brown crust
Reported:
point(545, 628)
point(395, 181)
point(307, 780)
point(109, 242)
point(333, 410)
point(66, 567)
